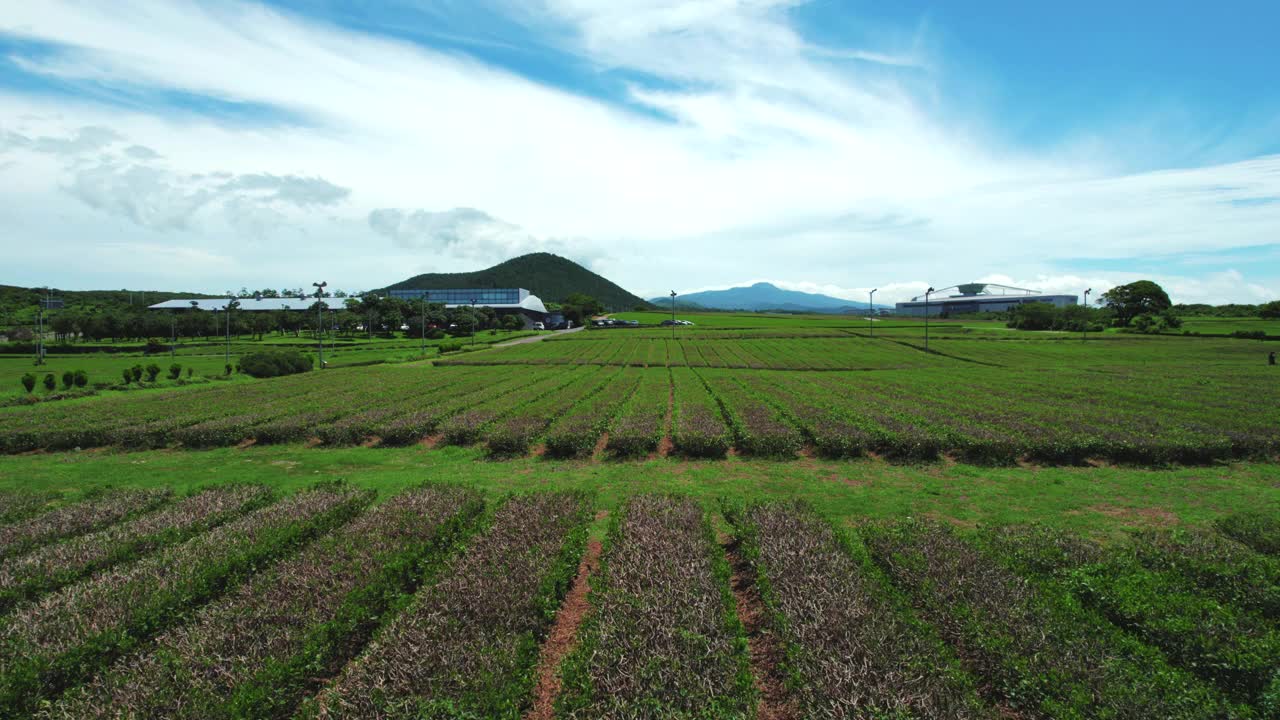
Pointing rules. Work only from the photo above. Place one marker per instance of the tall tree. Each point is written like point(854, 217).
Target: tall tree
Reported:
point(1143, 297)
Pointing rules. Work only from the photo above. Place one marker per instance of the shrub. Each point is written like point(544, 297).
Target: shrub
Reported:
point(81, 378)
point(1250, 334)
point(68, 379)
point(175, 371)
point(153, 346)
point(136, 373)
point(49, 382)
point(29, 382)
point(189, 371)
point(274, 363)
point(1258, 529)
point(226, 369)
point(127, 374)
point(435, 334)
point(152, 371)
point(450, 347)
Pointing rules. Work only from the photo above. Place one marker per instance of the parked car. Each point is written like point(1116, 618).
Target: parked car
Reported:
point(539, 326)
point(669, 323)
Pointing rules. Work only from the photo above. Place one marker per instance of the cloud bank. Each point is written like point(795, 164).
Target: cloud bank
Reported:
point(735, 147)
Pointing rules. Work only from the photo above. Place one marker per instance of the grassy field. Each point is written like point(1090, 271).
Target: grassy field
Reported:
point(209, 358)
point(619, 523)
point(1101, 502)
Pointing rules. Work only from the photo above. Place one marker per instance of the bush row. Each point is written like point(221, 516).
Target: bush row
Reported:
point(1033, 647)
point(642, 422)
point(237, 659)
point(97, 510)
point(853, 648)
point(58, 642)
point(663, 638)
point(576, 433)
point(59, 564)
point(1236, 650)
point(467, 645)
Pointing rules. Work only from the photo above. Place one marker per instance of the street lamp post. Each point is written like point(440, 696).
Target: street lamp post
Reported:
point(673, 314)
point(423, 351)
point(231, 304)
point(871, 310)
point(926, 317)
point(320, 317)
point(1084, 325)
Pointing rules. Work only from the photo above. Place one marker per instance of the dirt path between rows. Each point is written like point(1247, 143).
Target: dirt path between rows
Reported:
point(563, 636)
point(764, 648)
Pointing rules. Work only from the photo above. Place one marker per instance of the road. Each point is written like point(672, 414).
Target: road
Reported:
point(536, 338)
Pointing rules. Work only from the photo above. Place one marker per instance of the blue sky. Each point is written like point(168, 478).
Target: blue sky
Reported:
point(827, 146)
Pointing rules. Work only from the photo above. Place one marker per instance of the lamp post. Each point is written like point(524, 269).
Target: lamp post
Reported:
point(320, 317)
point(673, 314)
point(871, 309)
point(425, 294)
point(231, 304)
point(926, 317)
point(1084, 325)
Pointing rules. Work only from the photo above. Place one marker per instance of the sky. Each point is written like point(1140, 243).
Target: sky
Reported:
point(828, 146)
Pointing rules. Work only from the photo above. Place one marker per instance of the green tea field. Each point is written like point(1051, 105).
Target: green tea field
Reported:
point(767, 517)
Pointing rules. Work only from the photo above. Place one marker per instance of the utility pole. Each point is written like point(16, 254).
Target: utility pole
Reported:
point(320, 317)
point(871, 311)
point(1084, 326)
point(926, 317)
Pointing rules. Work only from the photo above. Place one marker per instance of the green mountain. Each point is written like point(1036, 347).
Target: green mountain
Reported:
point(548, 276)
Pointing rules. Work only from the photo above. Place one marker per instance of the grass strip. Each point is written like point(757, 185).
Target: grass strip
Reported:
point(58, 641)
point(468, 645)
point(663, 639)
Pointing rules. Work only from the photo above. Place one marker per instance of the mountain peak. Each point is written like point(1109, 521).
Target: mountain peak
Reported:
point(767, 296)
point(551, 277)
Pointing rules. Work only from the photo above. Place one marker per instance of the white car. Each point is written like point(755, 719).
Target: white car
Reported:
point(539, 326)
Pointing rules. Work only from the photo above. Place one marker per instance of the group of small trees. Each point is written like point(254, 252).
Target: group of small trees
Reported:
point(1141, 306)
point(70, 379)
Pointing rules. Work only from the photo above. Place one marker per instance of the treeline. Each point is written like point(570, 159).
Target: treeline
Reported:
point(372, 316)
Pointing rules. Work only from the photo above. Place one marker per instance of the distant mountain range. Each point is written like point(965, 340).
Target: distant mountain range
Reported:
point(765, 296)
point(550, 277)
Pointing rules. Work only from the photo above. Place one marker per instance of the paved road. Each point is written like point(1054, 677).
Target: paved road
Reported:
point(536, 338)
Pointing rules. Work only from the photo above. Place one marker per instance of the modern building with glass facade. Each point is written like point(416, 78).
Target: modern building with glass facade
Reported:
point(978, 298)
point(503, 300)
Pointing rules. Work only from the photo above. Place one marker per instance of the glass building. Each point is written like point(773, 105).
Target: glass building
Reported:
point(492, 297)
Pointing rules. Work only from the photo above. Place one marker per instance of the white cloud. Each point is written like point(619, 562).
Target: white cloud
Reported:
point(782, 158)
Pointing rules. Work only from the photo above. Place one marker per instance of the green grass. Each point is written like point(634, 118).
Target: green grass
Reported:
point(1101, 502)
point(208, 358)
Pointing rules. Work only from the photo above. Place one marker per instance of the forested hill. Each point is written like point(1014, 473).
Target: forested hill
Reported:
point(18, 304)
point(550, 277)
